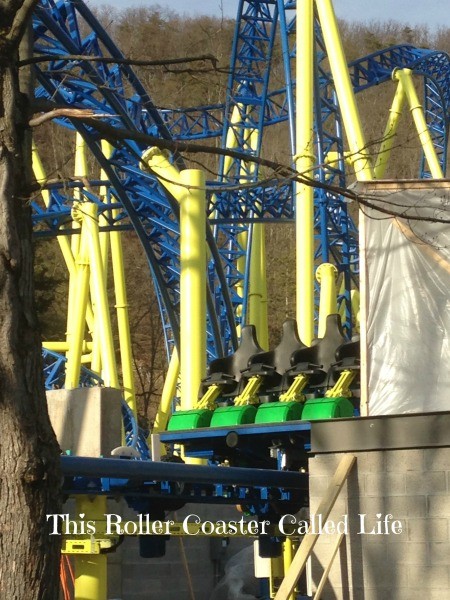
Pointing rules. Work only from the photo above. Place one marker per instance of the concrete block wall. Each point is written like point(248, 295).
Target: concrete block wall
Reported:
point(131, 577)
point(413, 486)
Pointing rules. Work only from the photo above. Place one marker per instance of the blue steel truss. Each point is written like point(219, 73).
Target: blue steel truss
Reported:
point(54, 372)
point(113, 89)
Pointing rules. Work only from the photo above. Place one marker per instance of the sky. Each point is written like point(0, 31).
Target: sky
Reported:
point(433, 13)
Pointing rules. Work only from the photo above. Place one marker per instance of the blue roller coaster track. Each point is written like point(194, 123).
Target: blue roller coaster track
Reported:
point(67, 29)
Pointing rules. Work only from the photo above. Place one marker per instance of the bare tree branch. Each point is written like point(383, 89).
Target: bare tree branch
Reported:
point(119, 61)
point(73, 113)
point(115, 134)
point(20, 22)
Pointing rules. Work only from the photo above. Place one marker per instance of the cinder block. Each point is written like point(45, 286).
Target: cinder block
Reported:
point(318, 485)
point(432, 577)
point(439, 505)
point(324, 464)
point(356, 482)
point(378, 568)
point(142, 584)
point(340, 508)
point(440, 553)
point(331, 590)
point(371, 594)
point(87, 421)
point(410, 594)
point(143, 595)
point(409, 553)
point(335, 578)
point(413, 486)
point(432, 482)
point(114, 579)
point(428, 530)
point(404, 460)
point(435, 595)
point(437, 459)
point(385, 484)
point(371, 462)
point(375, 594)
point(143, 571)
point(400, 507)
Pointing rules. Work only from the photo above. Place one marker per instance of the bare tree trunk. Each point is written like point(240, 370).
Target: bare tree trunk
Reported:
point(29, 453)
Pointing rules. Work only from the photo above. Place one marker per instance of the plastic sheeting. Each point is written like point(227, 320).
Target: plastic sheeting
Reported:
point(239, 581)
point(408, 316)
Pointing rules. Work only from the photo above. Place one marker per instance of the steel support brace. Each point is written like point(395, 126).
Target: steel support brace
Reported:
point(91, 569)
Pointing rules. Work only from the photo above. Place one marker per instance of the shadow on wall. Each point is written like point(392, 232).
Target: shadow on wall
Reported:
point(239, 581)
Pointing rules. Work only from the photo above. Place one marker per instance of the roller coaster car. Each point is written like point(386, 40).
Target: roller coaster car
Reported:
point(273, 365)
point(227, 371)
point(316, 360)
point(347, 359)
point(260, 383)
point(342, 372)
point(222, 383)
point(274, 382)
point(311, 368)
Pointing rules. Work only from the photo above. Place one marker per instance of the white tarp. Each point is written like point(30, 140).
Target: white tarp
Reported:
point(408, 310)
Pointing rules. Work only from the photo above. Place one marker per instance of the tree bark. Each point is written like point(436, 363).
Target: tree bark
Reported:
point(29, 454)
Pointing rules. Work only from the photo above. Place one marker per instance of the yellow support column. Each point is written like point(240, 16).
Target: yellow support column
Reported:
point(257, 304)
point(231, 143)
point(96, 364)
point(123, 323)
point(257, 301)
point(326, 276)
point(157, 161)
point(232, 140)
point(80, 170)
point(77, 316)
point(304, 163)
point(344, 90)
point(168, 393)
point(242, 240)
point(192, 285)
point(357, 145)
point(91, 569)
point(355, 297)
point(193, 273)
point(100, 295)
point(107, 150)
point(287, 560)
point(404, 76)
point(389, 134)
point(120, 291)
